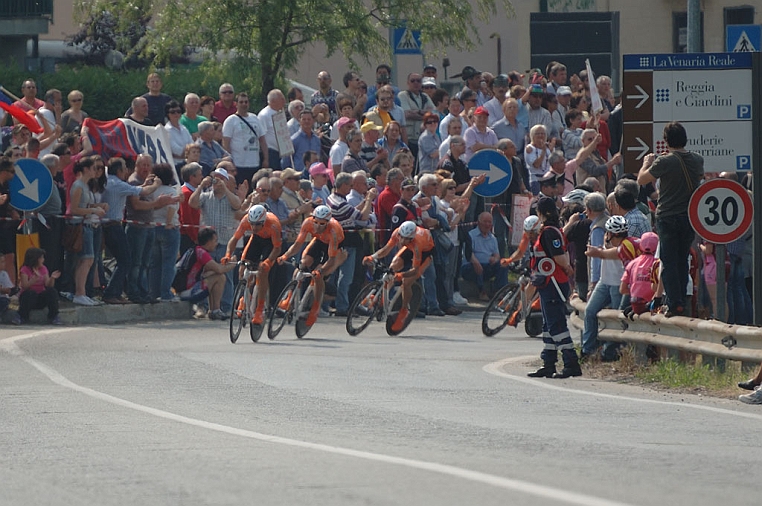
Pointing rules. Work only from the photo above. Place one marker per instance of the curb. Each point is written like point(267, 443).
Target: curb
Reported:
point(115, 313)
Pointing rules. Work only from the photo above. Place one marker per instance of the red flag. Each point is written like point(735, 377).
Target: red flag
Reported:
point(109, 138)
point(22, 117)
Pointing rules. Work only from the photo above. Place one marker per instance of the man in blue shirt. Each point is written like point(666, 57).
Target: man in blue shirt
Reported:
point(303, 140)
point(483, 257)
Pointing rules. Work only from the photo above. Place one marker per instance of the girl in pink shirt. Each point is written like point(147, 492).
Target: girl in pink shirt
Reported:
point(36, 285)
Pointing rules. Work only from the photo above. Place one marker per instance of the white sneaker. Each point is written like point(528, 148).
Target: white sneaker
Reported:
point(753, 398)
point(96, 302)
point(457, 298)
point(83, 300)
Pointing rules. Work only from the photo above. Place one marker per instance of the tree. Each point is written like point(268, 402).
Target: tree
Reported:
point(272, 34)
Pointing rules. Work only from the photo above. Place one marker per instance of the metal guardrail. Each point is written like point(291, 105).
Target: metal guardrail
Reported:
point(26, 8)
point(705, 337)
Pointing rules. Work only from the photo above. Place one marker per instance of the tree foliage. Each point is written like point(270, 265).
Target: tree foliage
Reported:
point(273, 34)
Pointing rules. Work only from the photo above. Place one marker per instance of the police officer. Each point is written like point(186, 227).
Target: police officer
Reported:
point(550, 273)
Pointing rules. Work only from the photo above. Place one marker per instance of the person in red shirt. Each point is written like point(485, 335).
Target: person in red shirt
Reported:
point(386, 202)
point(323, 255)
point(226, 105)
point(263, 247)
point(190, 218)
point(409, 263)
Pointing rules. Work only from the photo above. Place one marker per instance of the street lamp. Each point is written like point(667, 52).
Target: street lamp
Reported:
point(499, 52)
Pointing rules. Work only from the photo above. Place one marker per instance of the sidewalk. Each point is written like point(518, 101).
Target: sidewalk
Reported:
point(71, 314)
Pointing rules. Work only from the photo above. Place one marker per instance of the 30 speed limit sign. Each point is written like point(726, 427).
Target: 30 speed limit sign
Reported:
point(720, 211)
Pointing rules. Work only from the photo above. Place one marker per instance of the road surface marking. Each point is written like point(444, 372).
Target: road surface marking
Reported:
point(525, 487)
point(495, 368)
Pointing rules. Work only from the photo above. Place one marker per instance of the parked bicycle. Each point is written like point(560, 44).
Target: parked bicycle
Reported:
point(511, 304)
point(379, 299)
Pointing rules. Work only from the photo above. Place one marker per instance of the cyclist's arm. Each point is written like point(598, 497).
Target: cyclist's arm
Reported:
point(385, 249)
point(522, 249)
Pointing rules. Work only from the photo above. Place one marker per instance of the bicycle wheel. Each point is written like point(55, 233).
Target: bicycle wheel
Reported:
point(305, 306)
point(282, 311)
point(363, 308)
point(533, 324)
point(499, 309)
point(415, 304)
point(255, 330)
point(238, 317)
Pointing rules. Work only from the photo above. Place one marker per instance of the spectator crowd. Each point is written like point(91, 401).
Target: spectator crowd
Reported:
point(113, 230)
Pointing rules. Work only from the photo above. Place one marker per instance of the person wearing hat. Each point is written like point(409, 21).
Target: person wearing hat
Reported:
point(430, 71)
point(320, 174)
point(577, 232)
point(499, 93)
point(428, 144)
point(473, 82)
point(551, 271)
point(340, 147)
point(538, 115)
point(548, 190)
point(479, 136)
point(415, 104)
point(371, 151)
point(290, 196)
point(405, 209)
point(563, 95)
point(429, 86)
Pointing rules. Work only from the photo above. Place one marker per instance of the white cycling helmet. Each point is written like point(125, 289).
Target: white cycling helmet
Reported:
point(576, 195)
point(257, 214)
point(616, 224)
point(322, 213)
point(532, 224)
point(407, 229)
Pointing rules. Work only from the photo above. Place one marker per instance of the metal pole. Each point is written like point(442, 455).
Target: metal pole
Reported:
point(722, 289)
point(694, 26)
point(756, 107)
point(393, 77)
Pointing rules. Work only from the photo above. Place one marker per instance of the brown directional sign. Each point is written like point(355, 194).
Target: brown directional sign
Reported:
point(637, 96)
point(636, 144)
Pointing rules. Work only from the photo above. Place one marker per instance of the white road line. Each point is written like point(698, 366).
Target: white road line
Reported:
point(9, 345)
point(495, 368)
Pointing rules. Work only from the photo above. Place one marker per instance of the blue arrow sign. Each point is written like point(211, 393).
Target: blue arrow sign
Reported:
point(31, 186)
point(498, 169)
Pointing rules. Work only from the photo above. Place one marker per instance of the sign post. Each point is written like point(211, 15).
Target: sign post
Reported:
point(720, 211)
point(757, 185)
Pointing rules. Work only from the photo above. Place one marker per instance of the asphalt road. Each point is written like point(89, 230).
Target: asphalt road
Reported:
point(158, 414)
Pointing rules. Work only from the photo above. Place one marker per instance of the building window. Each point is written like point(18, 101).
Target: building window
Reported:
point(680, 32)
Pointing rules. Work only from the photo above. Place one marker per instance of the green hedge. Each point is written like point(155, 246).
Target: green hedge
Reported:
point(108, 93)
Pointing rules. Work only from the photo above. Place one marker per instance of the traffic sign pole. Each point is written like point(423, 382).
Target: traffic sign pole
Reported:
point(756, 84)
point(719, 257)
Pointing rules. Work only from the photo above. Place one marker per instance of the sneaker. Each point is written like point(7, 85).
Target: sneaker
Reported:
point(453, 311)
point(173, 299)
point(459, 299)
point(748, 385)
point(96, 302)
point(753, 398)
point(217, 314)
point(67, 295)
point(83, 300)
point(325, 314)
point(56, 321)
point(16, 320)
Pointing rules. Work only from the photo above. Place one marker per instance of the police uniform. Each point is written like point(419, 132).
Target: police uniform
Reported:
point(553, 294)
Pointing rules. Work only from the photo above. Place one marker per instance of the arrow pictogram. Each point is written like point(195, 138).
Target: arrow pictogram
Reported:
point(29, 190)
point(643, 148)
point(643, 97)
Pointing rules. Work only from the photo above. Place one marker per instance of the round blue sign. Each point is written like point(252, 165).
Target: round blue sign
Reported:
point(31, 186)
point(497, 168)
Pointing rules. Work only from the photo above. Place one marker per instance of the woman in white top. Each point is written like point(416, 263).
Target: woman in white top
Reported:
point(536, 156)
point(179, 136)
point(166, 244)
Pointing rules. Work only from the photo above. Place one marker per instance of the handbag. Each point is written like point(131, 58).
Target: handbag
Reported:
point(443, 242)
point(71, 239)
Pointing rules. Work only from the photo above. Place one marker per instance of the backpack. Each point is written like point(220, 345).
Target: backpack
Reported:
point(183, 268)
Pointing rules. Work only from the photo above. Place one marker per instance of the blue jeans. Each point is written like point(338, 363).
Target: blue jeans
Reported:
point(675, 238)
point(166, 245)
point(140, 240)
point(430, 288)
point(488, 271)
point(226, 303)
point(346, 273)
point(603, 296)
point(739, 302)
point(116, 242)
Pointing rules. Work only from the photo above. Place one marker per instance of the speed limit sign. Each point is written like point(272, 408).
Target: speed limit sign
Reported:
point(720, 211)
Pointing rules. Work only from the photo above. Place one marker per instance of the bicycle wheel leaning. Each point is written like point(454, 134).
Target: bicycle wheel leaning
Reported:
point(364, 307)
point(239, 314)
point(500, 308)
point(415, 305)
point(281, 312)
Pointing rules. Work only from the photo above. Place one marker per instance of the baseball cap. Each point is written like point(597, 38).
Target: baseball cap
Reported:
point(648, 242)
point(429, 66)
point(429, 81)
point(221, 173)
point(500, 80)
point(481, 111)
point(536, 89)
point(563, 90)
point(407, 182)
point(343, 122)
point(368, 126)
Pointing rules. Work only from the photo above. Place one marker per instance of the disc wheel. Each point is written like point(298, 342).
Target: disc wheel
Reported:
point(499, 309)
point(282, 311)
point(238, 318)
point(363, 308)
point(415, 304)
point(301, 326)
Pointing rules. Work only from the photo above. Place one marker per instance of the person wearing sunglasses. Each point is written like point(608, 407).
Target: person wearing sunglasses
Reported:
point(179, 136)
point(415, 103)
point(72, 118)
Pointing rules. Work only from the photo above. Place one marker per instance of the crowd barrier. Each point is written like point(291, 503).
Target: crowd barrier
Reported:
point(705, 337)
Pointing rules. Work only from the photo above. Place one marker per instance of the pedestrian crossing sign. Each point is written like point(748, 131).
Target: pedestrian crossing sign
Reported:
point(743, 38)
point(406, 41)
